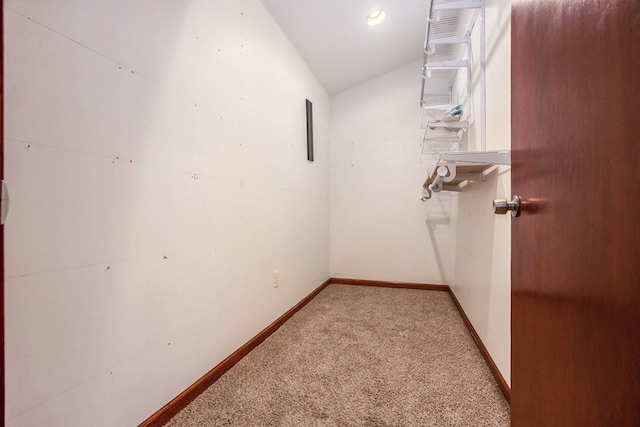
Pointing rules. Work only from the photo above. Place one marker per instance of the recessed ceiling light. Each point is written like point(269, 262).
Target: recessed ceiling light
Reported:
point(376, 18)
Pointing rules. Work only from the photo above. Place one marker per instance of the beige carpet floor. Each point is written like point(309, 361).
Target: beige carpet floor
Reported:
point(359, 356)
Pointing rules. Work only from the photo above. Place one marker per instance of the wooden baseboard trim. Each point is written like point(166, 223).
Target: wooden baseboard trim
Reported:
point(506, 390)
point(168, 411)
point(387, 284)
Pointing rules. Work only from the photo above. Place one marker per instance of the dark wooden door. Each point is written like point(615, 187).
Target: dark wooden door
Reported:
point(576, 247)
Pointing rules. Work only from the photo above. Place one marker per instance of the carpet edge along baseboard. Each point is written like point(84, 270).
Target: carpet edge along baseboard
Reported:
point(502, 383)
point(168, 411)
point(389, 284)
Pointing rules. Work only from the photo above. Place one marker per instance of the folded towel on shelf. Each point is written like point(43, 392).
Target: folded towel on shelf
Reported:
point(454, 114)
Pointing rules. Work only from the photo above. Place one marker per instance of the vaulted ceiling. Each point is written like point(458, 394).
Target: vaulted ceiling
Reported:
point(340, 48)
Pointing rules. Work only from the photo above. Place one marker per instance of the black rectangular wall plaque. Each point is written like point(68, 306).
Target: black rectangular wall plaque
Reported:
point(309, 131)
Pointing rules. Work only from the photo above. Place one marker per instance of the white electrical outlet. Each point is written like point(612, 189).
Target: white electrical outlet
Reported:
point(276, 278)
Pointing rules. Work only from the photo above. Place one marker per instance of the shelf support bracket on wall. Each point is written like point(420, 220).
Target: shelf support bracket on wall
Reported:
point(455, 171)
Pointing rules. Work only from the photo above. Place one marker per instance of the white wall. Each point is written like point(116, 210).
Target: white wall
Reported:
point(156, 159)
point(481, 240)
point(379, 227)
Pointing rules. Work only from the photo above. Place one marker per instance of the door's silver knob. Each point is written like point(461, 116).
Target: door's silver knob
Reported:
point(502, 206)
